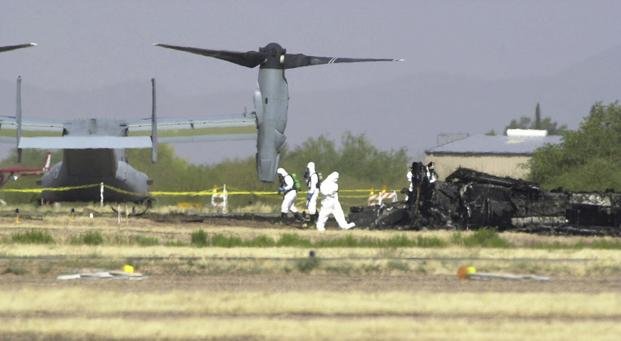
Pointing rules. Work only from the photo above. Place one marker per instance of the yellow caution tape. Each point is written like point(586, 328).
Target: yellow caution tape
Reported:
point(170, 193)
point(46, 189)
point(124, 191)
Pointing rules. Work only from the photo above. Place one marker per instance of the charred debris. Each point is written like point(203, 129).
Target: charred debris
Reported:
point(470, 199)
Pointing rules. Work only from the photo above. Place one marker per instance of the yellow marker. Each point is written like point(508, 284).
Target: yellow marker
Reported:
point(128, 269)
point(464, 271)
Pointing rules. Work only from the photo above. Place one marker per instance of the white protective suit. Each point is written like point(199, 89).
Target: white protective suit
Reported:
point(431, 173)
point(313, 189)
point(330, 204)
point(408, 176)
point(289, 193)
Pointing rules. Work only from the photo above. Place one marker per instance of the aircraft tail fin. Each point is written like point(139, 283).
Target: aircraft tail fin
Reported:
point(154, 141)
point(18, 117)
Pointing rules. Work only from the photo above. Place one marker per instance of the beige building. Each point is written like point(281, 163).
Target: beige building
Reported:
point(496, 155)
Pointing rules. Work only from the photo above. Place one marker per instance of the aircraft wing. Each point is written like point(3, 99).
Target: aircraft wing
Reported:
point(192, 130)
point(30, 128)
point(85, 142)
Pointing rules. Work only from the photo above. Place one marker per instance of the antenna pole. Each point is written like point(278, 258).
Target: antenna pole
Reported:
point(18, 118)
point(153, 123)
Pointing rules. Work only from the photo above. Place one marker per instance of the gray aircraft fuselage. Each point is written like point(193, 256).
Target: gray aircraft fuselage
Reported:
point(93, 166)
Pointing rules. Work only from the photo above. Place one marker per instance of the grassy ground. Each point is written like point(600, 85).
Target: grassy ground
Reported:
point(79, 313)
point(258, 282)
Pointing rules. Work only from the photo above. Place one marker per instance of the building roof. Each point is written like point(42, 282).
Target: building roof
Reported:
point(494, 145)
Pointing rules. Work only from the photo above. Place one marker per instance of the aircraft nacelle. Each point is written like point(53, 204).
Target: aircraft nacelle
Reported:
point(271, 105)
point(269, 144)
point(271, 101)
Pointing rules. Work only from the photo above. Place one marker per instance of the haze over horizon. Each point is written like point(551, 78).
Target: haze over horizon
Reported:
point(470, 66)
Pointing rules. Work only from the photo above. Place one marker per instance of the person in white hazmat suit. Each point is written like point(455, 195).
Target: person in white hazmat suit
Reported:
point(330, 204)
point(289, 193)
point(312, 182)
point(410, 192)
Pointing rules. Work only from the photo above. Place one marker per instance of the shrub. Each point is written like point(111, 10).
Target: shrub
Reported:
point(347, 241)
point(292, 239)
point(261, 241)
point(307, 265)
point(399, 241)
point(605, 244)
point(485, 238)
point(398, 265)
point(144, 241)
point(199, 238)
point(429, 242)
point(33, 237)
point(225, 241)
point(92, 238)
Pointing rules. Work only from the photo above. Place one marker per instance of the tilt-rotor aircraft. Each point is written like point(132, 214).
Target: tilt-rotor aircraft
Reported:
point(94, 149)
point(271, 100)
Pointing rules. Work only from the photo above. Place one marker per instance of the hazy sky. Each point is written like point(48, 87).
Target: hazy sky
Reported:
point(86, 45)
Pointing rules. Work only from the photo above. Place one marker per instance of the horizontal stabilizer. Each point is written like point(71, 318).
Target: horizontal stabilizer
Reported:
point(85, 142)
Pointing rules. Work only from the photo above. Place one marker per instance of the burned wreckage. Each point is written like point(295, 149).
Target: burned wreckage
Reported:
point(471, 199)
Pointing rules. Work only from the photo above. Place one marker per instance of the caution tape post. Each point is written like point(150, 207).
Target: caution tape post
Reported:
point(101, 194)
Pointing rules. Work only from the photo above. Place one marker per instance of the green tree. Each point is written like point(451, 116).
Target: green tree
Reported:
point(546, 123)
point(588, 159)
point(357, 160)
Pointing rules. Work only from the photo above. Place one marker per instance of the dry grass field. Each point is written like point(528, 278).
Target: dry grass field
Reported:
point(256, 281)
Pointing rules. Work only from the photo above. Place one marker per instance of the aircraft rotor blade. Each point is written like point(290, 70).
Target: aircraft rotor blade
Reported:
point(249, 59)
point(15, 47)
point(298, 60)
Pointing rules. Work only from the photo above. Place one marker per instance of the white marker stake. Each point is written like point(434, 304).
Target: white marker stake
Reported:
point(101, 190)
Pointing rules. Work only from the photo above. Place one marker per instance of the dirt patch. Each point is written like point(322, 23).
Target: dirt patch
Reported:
point(337, 283)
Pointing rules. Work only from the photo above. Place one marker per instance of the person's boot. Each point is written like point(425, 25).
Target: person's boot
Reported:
point(349, 226)
point(283, 218)
point(298, 217)
point(313, 218)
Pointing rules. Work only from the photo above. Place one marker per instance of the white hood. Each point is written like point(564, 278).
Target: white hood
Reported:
point(282, 172)
point(330, 186)
point(311, 167)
